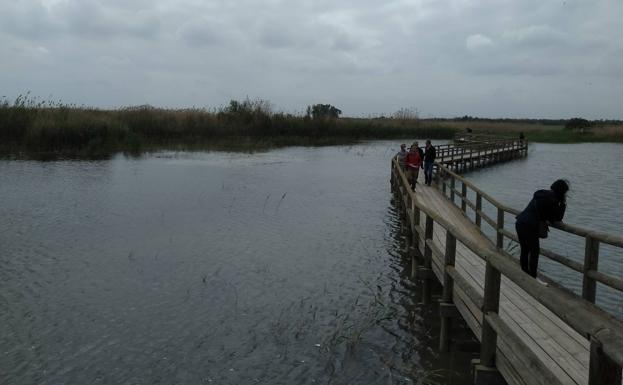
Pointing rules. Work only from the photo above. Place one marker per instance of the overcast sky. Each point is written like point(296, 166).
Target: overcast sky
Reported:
point(493, 58)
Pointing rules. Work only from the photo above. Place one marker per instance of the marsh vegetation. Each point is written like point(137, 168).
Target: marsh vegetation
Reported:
point(29, 124)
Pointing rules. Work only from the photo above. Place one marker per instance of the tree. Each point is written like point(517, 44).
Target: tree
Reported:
point(578, 124)
point(324, 111)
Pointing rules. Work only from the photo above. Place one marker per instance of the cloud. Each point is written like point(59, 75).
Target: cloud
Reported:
point(478, 41)
point(201, 32)
point(445, 58)
point(77, 18)
point(535, 36)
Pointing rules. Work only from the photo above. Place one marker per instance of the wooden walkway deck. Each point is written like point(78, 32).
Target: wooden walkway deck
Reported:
point(530, 333)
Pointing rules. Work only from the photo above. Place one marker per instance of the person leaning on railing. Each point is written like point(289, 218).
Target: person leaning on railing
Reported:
point(545, 207)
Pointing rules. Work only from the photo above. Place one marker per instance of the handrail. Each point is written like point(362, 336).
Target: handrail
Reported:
point(603, 330)
point(601, 236)
point(589, 269)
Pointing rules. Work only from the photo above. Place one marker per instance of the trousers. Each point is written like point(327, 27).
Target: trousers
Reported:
point(428, 172)
point(530, 248)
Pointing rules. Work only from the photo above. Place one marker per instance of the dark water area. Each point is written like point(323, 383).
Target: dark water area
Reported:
point(595, 202)
point(283, 267)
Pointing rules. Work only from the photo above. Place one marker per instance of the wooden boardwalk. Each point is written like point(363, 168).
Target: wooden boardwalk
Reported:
point(529, 333)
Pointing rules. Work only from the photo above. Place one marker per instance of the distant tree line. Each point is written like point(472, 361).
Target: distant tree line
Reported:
point(546, 122)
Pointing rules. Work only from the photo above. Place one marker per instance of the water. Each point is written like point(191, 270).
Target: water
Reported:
point(212, 268)
point(219, 268)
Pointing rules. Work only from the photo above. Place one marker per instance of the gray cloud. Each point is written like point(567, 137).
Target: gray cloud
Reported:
point(450, 58)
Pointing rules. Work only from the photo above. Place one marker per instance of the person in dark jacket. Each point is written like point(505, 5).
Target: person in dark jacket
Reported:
point(545, 206)
point(429, 160)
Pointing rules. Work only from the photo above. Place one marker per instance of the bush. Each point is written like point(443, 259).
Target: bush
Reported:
point(578, 124)
point(324, 111)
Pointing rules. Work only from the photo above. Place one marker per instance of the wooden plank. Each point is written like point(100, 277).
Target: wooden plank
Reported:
point(472, 312)
point(525, 355)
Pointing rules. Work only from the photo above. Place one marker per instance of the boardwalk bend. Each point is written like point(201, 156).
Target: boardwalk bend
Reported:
point(529, 333)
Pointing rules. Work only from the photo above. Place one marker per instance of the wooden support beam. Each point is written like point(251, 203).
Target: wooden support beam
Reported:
point(478, 209)
point(602, 370)
point(500, 226)
point(448, 288)
point(591, 262)
point(464, 196)
point(426, 284)
point(491, 304)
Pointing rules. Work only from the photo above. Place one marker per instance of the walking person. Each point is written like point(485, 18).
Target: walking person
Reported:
point(402, 155)
point(413, 162)
point(545, 207)
point(429, 160)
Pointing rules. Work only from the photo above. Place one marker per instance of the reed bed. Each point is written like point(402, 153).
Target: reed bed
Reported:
point(28, 125)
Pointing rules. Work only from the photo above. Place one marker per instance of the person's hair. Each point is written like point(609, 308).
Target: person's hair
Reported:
point(428, 141)
point(560, 187)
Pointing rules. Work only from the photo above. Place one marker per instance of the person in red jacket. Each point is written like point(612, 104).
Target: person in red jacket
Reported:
point(413, 162)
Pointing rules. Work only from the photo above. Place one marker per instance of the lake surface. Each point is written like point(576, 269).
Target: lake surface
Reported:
point(283, 267)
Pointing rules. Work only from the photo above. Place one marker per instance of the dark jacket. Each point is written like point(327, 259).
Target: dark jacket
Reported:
point(429, 155)
point(544, 206)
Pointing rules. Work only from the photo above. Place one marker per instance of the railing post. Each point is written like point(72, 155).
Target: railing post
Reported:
point(478, 209)
point(471, 158)
point(484, 369)
point(452, 188)
point(602, 370)
point(500, 226)
point(479, 157)
point(443, 183)
point(416, 221)
point(591, 261)
point(428, 256)
point(414, 237)
point(464, 197)
point(490, 303)
point(447, 304)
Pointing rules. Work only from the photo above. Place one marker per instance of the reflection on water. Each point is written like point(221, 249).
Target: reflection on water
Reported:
point(594, 202)
point(197, 268)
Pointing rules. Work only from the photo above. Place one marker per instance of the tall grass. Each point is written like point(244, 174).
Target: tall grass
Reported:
point(31, 125)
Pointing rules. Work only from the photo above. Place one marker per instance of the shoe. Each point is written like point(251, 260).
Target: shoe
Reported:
point(539, 280)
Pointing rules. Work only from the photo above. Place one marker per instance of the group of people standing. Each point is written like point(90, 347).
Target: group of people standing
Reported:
point(411, 161)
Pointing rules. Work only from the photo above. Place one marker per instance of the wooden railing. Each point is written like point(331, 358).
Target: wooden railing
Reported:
point(604, 331)
point(476, 147)
point(447, 183)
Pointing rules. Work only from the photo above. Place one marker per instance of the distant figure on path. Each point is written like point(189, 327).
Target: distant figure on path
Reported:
point(402, 155)
point(545, 206)
point(521, 137)
point(429, 160)
point(414, 162)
